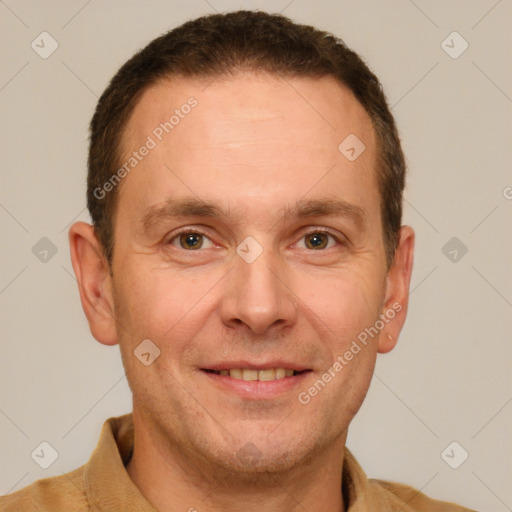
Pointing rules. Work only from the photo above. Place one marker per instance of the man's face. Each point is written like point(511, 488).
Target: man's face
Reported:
point(255, 148)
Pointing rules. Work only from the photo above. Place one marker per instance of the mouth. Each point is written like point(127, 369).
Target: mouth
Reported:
point(257, 382)
point(253, 374)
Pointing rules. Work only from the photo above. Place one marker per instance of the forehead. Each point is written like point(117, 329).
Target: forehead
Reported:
point(254, 104)
point(263, 138)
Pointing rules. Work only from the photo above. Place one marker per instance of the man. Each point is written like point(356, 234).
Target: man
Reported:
point(247, 254)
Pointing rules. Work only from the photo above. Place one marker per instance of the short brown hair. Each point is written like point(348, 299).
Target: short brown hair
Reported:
point(224, 44)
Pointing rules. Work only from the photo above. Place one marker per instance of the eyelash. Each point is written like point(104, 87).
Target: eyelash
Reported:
point(199, 232)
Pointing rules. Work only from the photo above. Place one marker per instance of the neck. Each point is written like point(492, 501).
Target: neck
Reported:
point(173, 480)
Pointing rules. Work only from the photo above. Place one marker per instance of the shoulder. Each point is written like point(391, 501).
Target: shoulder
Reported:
point(411, 499)
point(55, 494)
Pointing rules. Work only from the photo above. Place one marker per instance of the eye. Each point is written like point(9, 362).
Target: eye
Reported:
point(191, 240)
point(317, 240)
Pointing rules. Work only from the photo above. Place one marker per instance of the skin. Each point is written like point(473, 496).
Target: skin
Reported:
point(253, 145)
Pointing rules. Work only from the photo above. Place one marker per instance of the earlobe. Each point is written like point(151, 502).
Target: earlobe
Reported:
point(386, 343)
point(397, 291)
point(94, 282)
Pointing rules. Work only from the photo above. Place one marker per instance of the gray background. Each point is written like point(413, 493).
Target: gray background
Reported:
point(449, 379)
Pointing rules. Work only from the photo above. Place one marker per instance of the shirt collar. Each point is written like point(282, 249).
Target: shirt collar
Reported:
point(106, 481)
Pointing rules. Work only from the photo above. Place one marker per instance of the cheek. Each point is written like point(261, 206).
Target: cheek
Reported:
point(160, 304)
point(343, 303)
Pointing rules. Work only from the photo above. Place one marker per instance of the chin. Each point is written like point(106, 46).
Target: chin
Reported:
point(252, 463)
point(259, 455)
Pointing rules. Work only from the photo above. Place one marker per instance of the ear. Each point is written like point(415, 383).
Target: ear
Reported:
point(397, 291)
point(94, 282)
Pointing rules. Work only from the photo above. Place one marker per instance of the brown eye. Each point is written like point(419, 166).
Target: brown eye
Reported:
point(318, 240)
point(191, 241)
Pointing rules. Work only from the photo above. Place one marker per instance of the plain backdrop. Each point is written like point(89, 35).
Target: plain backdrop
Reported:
point(449, 378)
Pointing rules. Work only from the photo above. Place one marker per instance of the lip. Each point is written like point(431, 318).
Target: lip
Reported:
point(255, 389)
point(243, 364)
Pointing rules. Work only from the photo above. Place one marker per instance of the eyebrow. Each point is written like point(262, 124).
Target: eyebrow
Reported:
point(194, 207)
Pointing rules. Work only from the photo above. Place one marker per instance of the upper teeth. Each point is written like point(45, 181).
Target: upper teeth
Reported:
point(264, 375)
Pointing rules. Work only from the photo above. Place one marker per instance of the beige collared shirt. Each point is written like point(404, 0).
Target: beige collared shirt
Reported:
point(103, 485)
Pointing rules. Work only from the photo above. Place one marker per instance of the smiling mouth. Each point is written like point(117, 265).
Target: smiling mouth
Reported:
point(249, 374)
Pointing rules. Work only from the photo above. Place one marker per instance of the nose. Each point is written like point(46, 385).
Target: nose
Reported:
point(257, 295)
